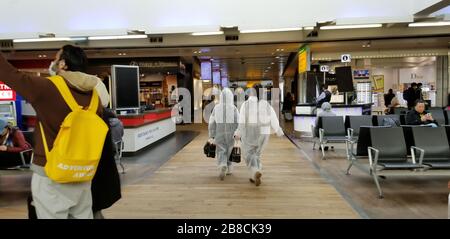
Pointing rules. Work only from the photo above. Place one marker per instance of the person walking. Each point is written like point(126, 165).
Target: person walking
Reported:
point(410, 95)
point(54, 199)
point(223, 122)
point(388, 98)
point(256, 118)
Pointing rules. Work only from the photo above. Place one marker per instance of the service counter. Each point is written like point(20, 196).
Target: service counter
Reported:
point(141, 130)
point(305, 114)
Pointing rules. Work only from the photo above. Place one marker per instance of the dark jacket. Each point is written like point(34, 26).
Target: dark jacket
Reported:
point(327, 98)
point(388, 98)
point(105, 187)
point(410, 95)
point(414, 118)
point(287, 104)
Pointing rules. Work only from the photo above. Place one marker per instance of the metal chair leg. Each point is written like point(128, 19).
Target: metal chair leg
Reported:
point(349, 167)
point(314, 144)
point(375, 178)
point(322, 147)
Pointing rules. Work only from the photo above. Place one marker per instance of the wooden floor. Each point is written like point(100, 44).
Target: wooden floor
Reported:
point(405, 197)
point(188, 187)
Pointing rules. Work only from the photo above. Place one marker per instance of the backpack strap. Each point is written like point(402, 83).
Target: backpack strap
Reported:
point(44, 140)
point(64, 90)
point(94, 102)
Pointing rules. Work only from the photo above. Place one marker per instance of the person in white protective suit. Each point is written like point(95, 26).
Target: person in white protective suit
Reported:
point(256, 119)
point(223, 122)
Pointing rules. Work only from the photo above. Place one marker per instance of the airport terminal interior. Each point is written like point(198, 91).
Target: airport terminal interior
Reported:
point(345, 80)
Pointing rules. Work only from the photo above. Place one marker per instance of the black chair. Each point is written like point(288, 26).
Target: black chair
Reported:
point(400, 111)
point(409, 137)
point(378, 119)
point(388, 152)
point(354, 123)
point(433, 145)
point(438, 115)
point(447, 128)
point(403, 119)
point(331, 130)
point(447, 116)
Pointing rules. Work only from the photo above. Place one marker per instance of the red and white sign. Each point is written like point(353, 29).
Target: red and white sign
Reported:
point(6, 93)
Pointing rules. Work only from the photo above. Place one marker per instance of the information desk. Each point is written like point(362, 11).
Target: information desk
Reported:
point(305, 114)
point(141, 130)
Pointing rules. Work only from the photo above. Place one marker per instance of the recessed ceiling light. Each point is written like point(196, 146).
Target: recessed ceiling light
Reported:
point(429, 24)
point(121, 37)
point(273, 63)
point(272, 30)
point(337, 27)
point(49, 39)
point(207, 33)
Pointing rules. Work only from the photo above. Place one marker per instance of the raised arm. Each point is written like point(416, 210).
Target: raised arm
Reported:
point(29, 87)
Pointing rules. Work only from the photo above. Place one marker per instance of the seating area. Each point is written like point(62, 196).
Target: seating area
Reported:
point(383, 151)
point(441, 115)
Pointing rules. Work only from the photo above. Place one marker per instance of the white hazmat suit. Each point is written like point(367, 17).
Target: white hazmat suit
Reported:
point(256, 119)
point(223, 122)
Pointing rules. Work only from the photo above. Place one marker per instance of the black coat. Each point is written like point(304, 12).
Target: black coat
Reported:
point(413, 118)
point(106, 182)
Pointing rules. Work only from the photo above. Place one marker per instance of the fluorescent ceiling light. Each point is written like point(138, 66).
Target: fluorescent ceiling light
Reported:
point(336, 27)
point(50, 39)
point(308, 28)
point(117, 37)
point(272, 30)
point(207, 33)
point(429, 24)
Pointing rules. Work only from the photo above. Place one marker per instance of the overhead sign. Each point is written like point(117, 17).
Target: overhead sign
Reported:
point(324, 68)
point(304, 59)
point(6, 93)
point(345, 58)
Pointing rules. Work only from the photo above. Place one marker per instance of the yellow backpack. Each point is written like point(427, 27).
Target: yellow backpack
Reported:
point(78, 146)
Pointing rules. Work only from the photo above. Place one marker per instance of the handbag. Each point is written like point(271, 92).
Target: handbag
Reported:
point(235, 156)
point(209, 150)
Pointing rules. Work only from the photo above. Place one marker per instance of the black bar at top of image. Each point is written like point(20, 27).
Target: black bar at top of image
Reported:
point(229, 228)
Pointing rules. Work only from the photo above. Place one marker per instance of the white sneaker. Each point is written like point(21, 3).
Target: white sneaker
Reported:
point(230, 170)
point(223, 171)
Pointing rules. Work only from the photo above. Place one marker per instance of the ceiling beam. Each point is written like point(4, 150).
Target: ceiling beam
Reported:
point(432, 9)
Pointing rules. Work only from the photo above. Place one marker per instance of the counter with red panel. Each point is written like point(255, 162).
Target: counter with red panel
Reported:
point(141, 130)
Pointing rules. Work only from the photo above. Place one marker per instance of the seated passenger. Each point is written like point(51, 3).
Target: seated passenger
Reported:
point(418, 116)
point(326, 111)
point(12, 142)
point(12, 139)
point(394, 104)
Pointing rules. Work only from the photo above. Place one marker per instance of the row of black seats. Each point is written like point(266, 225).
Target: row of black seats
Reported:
point(409, 150)
point(440, 115)
point(333, 129)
